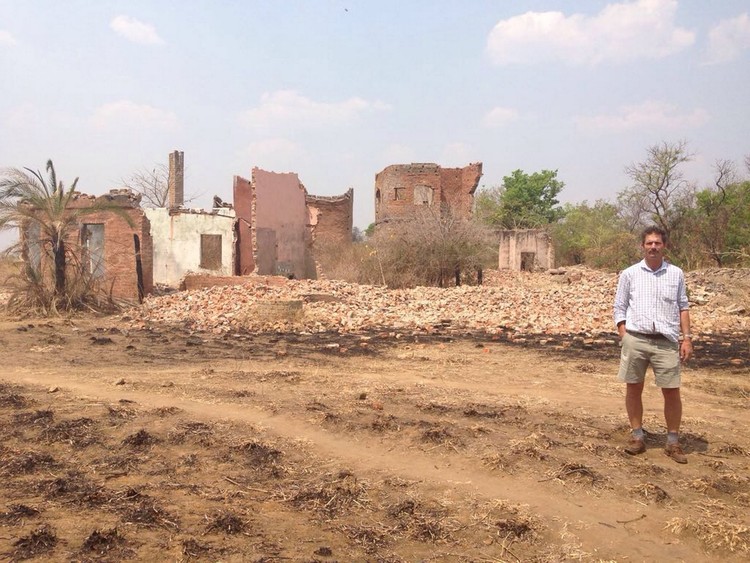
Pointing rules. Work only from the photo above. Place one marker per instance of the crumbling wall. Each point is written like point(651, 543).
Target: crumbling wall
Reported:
point(127, 260)
point(330, 218)
point(243, 206)
point(401, 190)
point(525, 249)
point(395, 190)
point(192, 240)
point(279, 224)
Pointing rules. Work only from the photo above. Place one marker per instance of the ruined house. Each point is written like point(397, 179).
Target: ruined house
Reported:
point(114, 255)
point(526, 250)
point(278, 224)
point(190, 240)
point(401, 190)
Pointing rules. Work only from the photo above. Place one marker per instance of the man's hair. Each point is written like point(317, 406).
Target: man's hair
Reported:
point(654, 230)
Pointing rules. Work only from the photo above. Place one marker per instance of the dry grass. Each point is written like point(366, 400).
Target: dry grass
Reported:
point(716, 533)
point(651, 493)
point(534, 445)
point(9, 266)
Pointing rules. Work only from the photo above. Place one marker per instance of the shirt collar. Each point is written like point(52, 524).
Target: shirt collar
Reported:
point(659, 269)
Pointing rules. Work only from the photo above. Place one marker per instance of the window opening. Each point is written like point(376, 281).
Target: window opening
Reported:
point(211, 252)
point(92, 241)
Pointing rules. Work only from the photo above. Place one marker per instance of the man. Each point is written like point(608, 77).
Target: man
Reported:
point(651, 308)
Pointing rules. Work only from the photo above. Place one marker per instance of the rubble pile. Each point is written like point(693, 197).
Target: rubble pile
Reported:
point(572, 301)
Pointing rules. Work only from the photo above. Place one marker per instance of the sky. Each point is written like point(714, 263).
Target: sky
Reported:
point(336, 90)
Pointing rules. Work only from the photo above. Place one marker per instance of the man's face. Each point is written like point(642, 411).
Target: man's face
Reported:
point(653, 246)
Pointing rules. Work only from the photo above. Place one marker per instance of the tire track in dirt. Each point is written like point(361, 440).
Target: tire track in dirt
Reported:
point(600, 516)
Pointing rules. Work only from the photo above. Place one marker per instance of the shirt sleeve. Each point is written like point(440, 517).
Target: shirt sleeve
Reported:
point(621, 298)
point(682, 299)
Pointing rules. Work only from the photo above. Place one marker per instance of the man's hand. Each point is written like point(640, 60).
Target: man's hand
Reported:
point(686, 350)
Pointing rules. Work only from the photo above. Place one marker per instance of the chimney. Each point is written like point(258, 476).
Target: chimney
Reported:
point(176, 182)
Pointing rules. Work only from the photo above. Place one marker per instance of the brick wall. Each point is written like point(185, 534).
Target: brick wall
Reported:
point(200, 281)
point(330, 218)
point(243, 207)
point(400, 189)
point(120, 257)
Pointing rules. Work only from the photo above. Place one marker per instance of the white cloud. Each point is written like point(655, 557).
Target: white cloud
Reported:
point(135, 30)
point(398, 154)
point(24, 116)
point(648, 115)
point(727, 39)
point(287, 106)
point(127, 114)
point(458, 154)
point(6, 38)
point(273, 152)
point(500, 116)
point(619, 33)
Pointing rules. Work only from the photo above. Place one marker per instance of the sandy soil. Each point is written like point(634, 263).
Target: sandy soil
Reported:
point(161, 445)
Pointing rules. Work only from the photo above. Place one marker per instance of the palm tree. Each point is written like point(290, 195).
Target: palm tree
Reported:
point(32, 203)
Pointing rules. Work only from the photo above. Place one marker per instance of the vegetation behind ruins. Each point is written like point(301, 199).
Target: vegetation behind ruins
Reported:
point(433, 248)
point(707, 226)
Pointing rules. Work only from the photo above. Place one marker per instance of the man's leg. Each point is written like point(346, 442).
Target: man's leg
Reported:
point(672, 409)
point(634, 404)
point(634, 359)
point(673, 417)
point(666, 365)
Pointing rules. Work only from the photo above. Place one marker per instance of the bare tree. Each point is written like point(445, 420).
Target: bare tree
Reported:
point(658, 182)
point(153, 185)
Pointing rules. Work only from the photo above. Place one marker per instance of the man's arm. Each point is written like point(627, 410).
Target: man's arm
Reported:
point(686, 347)
point(621, 303)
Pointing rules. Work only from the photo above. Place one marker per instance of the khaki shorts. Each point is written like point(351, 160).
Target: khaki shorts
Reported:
point(638, 352)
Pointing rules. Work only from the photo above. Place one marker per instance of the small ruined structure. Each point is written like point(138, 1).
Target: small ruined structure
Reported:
point(278, 224)
point(190, 240)
point(528, 250)
point(401, 190)
point(330, 218)
point(115, 255)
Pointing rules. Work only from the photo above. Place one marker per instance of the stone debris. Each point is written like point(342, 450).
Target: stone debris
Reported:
point(509, 302)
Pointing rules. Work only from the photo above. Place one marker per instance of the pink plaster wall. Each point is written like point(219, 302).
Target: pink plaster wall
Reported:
point(280, 207)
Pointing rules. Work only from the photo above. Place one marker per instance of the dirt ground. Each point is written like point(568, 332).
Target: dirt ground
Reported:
point(161, 445)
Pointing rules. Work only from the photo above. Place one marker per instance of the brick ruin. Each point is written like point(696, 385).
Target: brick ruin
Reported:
point(401, 190)
point(279, 224)
point(331, 218)
point(116, 255)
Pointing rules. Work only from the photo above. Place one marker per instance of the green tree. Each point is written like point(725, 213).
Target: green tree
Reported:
point(595, 236)
point(721, 217)
point(35, 204)
point(522, 201)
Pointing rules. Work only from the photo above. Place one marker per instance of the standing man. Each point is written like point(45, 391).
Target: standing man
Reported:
point(651, 308)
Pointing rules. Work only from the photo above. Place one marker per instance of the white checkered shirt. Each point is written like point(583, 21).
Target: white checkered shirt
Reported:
point(650, 301)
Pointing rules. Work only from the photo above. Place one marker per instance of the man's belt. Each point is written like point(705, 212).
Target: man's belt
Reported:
point(656, 335)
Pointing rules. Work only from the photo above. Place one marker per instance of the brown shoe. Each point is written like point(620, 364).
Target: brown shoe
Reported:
point(675, 452)
point(635, 447)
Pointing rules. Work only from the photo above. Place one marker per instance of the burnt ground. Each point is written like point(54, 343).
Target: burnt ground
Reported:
point(126, 444)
